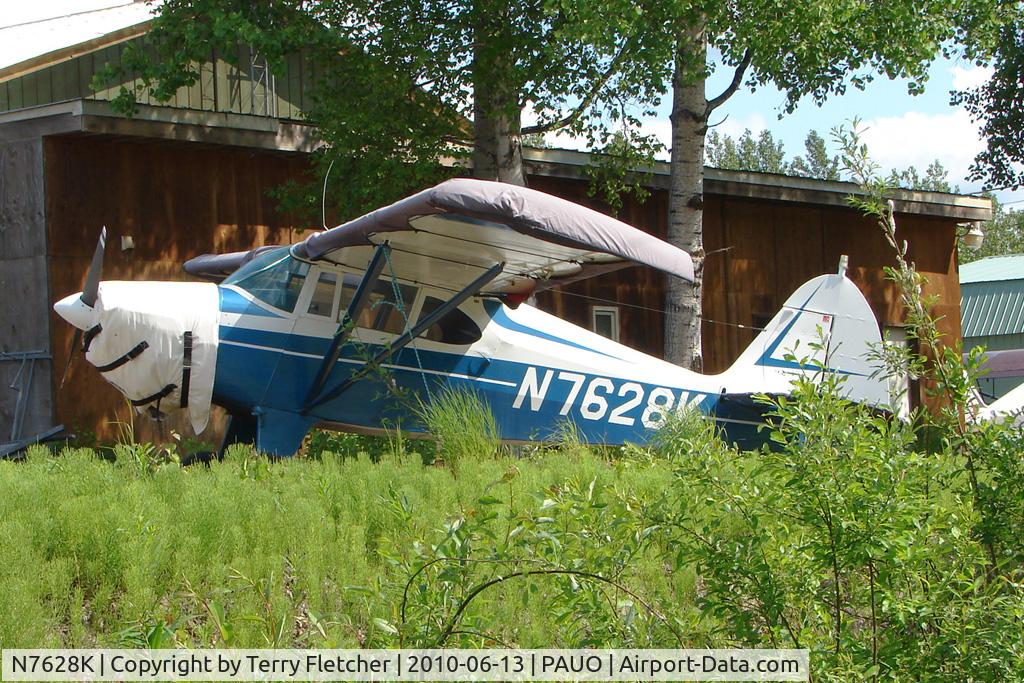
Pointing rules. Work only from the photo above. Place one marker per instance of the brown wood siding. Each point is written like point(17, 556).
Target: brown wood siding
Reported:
point(759, 252)
point(177, 201)
point(637, 290)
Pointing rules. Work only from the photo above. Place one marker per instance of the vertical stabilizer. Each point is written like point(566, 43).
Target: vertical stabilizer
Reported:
point(827, 323)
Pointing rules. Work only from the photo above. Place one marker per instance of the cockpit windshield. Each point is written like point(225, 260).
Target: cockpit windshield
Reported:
point(273, 277)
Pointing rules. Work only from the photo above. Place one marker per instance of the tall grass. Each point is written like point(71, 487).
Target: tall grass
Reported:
point(462, 424)
point(250, 553)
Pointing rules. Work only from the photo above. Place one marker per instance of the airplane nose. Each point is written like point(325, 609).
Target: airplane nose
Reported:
point(75, 311)
point(156, 342)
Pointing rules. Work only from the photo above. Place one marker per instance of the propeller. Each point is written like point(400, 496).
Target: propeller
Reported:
point(90, 293)
point(92, 279)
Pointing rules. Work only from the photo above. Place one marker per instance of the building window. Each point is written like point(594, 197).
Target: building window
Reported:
point(605, 321)
point(759, 321)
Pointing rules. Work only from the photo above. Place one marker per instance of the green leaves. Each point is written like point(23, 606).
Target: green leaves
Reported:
point(843, 539)
point(571, 548)
point(996, 105)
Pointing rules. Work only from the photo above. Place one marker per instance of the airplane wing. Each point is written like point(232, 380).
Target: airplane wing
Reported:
point(1009, 407)
point(999, 364)
point(1002, 364)
point(216, 267)
point(450, 234)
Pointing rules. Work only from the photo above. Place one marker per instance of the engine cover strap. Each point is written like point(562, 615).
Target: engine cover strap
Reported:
point(186, 367)
point(90, 334)
point(155, 397)
point(134, 353)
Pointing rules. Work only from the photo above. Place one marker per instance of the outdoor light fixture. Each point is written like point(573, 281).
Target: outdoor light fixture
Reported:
point(973, 237)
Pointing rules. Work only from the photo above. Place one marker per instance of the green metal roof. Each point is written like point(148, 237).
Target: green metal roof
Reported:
point(992, 308)
point(992, 296)
point(993, 269)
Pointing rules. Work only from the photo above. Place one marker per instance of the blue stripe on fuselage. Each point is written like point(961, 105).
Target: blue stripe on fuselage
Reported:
point(233, 302)
point(252, 361)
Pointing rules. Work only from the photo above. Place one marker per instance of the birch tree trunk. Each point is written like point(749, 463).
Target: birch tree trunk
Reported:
point(686, 202)
point(497, 146)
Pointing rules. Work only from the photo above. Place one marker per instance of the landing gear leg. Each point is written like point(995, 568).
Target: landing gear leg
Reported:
point(241, 429)
point(279, 433)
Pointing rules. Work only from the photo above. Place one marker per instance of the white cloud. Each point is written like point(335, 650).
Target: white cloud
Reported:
point(971, 77)
point(563, 140)
point(661, 128)
point(528, 115)
point(560, 138)
point(917, 139)
point(734, 126)
point(913, 138)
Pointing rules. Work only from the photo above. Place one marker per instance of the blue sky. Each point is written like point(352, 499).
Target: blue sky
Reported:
point(900, 129)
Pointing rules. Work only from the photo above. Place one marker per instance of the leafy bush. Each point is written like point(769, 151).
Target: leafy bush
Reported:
point(886, 559)
point(844, 540)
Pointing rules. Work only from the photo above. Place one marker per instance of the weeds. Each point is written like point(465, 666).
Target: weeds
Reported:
point(886, 560)
point(462, 424)
point(250, 553)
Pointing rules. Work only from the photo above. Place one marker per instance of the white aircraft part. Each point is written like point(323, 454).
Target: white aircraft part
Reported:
point(806, 339)
point(75, 311)
point(826, 322)
point(1009, 406)
point(159, 313)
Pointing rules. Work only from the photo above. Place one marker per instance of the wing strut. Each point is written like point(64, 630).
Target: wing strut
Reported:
point(348, 321)
point(422, 326)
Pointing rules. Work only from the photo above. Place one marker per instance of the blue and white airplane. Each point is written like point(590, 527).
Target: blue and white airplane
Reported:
point(429, 293)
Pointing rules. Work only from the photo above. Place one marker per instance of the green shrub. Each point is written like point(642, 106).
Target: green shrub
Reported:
point(844, 540)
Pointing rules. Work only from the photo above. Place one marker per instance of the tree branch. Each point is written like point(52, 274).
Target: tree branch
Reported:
point(549, 572)
point(737, 81)
point(572, 116)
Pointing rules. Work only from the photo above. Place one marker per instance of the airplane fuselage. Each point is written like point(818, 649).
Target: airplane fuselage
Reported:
point(536, 372)
point(359, 325)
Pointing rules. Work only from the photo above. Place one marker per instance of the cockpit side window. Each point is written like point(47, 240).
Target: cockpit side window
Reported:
point(454, 328)
point(382, 312)
point(323, 295)
point(274, 278)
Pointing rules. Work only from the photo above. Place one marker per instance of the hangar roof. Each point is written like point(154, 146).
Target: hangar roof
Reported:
point(37, 34)
point(993, 269)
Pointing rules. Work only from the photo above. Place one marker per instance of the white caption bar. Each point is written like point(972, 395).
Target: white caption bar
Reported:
point(405, 665)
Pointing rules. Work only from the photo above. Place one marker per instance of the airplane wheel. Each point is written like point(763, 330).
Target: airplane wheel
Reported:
point(200, 458)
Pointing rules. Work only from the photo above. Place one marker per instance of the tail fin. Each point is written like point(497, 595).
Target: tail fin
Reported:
point(827, 323)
